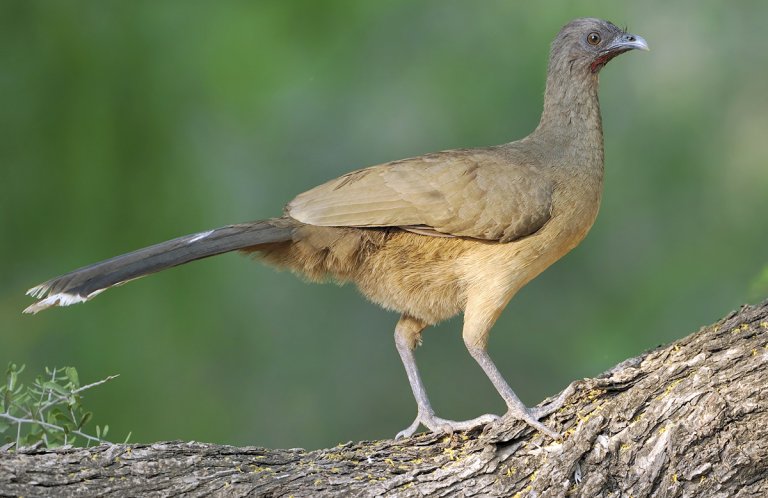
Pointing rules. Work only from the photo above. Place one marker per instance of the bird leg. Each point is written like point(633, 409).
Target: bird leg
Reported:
point(516, 408)
point(407, 337)
point(478, 320)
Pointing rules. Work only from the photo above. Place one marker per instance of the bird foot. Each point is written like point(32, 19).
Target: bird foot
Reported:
point(542, 411)
point(531, 416)
point(439, 425)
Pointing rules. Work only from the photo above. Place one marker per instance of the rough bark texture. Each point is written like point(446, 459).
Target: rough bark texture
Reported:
point(688, 419)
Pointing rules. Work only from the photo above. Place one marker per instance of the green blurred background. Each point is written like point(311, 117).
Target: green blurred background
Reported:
point(125, 123)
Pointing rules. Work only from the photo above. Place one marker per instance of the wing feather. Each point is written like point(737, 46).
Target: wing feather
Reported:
point(483, 194)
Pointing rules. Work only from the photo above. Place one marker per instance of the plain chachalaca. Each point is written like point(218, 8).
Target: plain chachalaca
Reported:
point(435, 235)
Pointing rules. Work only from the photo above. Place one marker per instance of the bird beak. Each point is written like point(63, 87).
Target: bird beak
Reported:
point(628, 42)
point(618, 46)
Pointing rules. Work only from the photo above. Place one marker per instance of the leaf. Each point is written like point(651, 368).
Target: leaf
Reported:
point(34, 430)
point(84, 420)
point(71, 373)
point(12, 378)
point(12, 374)
point(53, 386)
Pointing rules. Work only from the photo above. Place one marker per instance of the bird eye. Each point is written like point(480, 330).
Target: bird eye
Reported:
point(593, 38)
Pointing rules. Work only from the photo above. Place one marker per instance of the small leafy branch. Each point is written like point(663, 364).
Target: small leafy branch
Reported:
point(48, 412)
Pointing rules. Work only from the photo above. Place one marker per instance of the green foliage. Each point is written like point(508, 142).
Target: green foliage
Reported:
point(48, 412)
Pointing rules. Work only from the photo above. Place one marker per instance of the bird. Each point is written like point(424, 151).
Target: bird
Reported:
point(432, 236)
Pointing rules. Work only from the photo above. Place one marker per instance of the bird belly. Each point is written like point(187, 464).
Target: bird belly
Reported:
point(428, 278)
point(416, 275)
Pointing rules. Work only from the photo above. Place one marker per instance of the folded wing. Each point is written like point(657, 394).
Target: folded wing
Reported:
point(460, 193)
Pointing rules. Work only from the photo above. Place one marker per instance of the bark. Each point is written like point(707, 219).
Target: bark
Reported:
point(687, 419)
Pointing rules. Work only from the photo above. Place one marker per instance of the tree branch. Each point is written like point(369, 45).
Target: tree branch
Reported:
point(687, 419)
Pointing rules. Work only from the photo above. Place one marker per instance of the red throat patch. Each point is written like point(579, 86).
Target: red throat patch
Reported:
point(603, 59)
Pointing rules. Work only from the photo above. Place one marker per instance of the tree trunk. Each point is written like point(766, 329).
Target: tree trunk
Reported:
point(687, 419)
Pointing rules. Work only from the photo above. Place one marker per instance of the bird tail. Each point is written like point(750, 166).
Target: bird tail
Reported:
point(83, 284)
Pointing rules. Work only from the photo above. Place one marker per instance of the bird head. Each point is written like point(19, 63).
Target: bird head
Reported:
point(588, 44)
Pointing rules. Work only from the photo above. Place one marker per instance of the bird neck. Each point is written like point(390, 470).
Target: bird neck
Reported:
point(571, 107)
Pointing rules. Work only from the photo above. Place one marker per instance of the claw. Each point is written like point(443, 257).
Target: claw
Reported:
point(531, 416)
point(440, 425)
point(410, 430)
point(539, 412)
point(530, 420)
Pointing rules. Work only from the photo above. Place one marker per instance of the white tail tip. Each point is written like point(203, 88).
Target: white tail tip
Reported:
point(61, 299)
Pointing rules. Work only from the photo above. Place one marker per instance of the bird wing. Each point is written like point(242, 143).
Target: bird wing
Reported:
point(478, 193)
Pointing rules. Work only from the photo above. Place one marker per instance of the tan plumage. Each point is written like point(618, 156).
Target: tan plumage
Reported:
point(435, 235)
point(498, 193)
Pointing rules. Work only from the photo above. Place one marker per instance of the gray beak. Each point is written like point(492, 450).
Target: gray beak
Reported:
point(629, 42)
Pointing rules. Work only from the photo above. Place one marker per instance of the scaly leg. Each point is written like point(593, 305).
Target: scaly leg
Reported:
point(516, 408)
point(407, 337)
point(476, 327)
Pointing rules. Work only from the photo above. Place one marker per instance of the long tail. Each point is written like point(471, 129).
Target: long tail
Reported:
point(83, 284)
